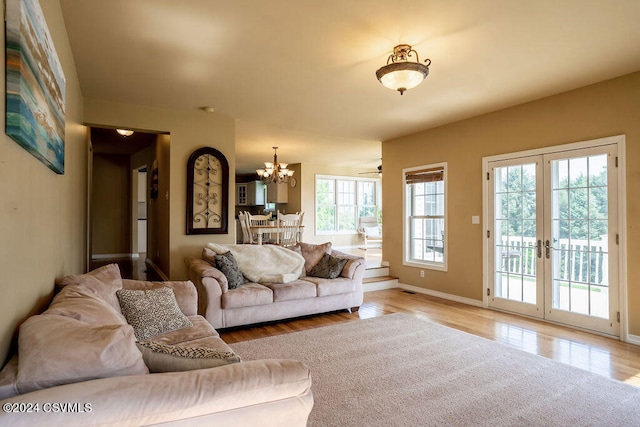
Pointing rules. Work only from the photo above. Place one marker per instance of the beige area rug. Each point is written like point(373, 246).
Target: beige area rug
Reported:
point(397, 370)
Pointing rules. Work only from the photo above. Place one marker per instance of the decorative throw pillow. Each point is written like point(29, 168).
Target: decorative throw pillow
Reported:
point(172, 358)
point(152, 312)
point(229, 266)
point(312, 254)
point(372, 231)
point(329, 267)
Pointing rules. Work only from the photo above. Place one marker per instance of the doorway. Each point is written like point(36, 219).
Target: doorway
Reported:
point(553, 232)
point(122, 214)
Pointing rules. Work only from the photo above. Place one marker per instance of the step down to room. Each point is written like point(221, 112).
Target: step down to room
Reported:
point(378, 283)
point(376, 272)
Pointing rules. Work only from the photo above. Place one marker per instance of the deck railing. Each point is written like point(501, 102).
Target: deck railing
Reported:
point(580, 261)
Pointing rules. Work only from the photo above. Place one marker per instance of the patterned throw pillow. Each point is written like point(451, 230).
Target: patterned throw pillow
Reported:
point(229, 266)
point(172, 358)
point(152, 312)
point(329, 267)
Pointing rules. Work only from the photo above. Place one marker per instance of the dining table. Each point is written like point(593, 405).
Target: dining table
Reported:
point(261, 230)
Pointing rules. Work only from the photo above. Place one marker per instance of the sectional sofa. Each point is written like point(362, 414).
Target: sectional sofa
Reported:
point(119, 352)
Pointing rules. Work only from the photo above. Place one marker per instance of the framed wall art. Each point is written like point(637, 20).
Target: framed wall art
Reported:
point(35, 85)
point(207, 192)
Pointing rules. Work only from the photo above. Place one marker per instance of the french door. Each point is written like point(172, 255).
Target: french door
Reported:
point(552, 232)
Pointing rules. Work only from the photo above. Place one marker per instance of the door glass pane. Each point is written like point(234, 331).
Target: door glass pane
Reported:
point(515, 233)
point(579, 232)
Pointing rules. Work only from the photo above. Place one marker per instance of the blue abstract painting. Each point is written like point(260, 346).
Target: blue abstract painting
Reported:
point(35, 103)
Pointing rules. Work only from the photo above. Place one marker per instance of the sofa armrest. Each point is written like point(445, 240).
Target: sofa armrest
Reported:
point(185, 292)
point(354, 265)
point(210, 284)
point(199, 268)
point(261, 392)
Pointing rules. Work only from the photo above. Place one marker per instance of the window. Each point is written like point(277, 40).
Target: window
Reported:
point(425, 217)
point(340, 201)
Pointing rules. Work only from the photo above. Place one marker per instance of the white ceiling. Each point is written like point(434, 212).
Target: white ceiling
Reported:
point(300, 74)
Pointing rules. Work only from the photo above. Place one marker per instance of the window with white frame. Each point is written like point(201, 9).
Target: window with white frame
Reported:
point(425, 216)
point(341, 200)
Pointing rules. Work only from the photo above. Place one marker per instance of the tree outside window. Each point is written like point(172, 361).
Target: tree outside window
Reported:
point(340, 201)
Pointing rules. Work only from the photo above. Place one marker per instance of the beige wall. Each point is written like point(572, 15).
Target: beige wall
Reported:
point(605, 109)
point(307, 184)
point(42, 221)
point(111, 205)
point(188, 130)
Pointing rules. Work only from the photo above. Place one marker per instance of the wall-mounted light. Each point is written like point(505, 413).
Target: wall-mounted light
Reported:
point(401, 74)
point(125, 132)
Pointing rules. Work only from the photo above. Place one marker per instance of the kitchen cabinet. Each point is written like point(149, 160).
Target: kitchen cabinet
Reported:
point(250, 193)
point(277, 193)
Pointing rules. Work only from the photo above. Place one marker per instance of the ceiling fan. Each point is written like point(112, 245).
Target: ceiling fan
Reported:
point(379, 171)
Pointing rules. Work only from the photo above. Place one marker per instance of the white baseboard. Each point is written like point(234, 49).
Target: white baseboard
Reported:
point(456, 298)
point(633, 339)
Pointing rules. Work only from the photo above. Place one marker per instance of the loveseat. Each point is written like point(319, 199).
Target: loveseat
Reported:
point(289, 293)
point(120, 352)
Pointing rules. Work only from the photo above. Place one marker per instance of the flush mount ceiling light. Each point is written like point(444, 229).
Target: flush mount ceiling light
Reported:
point(275, 172)
point(401, 74)
point(125, 132)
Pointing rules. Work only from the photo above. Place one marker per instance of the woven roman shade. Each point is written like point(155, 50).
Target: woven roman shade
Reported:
point(424, 175)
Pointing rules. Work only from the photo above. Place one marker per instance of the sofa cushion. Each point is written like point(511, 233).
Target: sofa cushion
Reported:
point(174, 358)
point(104, 281)
point(337, 286)
point(248, 295)
point(55, 350)
point(300, 289)
point(152, 312)
point(372, 231)
point(312, 254)
point(329, 267)
point(227, 263)
point(84, 303)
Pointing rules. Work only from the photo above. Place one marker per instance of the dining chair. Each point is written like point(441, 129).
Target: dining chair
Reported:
point(253, 220)
point(289, 228)
point(246, 232)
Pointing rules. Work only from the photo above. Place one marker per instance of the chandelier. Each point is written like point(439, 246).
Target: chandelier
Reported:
point(401, 74)
point(275, 172)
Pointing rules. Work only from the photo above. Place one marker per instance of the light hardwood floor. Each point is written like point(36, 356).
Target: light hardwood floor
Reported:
point(605, 356)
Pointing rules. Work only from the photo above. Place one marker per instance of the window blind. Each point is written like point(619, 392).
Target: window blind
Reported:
point(424, 175)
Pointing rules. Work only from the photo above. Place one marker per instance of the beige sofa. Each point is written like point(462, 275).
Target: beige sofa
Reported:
point(79, 363)
point(254, 302)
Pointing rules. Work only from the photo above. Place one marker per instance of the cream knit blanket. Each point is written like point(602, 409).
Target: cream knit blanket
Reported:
point(264, 263)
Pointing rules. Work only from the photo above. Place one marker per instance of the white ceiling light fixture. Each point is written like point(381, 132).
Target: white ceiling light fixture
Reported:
point(125, 132)
point(401, 74)
point(275, 172)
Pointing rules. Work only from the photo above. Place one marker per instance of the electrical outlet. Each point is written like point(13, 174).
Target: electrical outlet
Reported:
point(421, 273)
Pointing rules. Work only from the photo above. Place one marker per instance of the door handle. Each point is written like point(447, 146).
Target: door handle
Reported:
point(547, 249)
point(539, 246)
